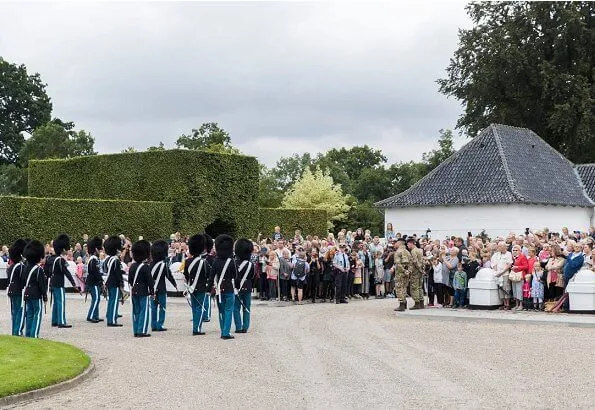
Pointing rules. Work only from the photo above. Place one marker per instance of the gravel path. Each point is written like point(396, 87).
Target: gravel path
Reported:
point(360, 355)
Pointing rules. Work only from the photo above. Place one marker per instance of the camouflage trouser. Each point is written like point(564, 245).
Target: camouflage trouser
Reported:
point(402, 280)
point(416, 285)
point(414, 281)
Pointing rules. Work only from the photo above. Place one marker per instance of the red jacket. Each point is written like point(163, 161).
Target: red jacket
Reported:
point(521, 264)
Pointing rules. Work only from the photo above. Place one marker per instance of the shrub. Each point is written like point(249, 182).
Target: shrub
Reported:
point(204, 187)
point(309, 221)
point(45, 218)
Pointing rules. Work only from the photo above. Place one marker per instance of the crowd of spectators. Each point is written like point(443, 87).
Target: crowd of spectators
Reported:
point(532, 267)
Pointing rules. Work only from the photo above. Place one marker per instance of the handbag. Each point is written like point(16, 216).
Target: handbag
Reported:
point(560, 281)
point(515, 276)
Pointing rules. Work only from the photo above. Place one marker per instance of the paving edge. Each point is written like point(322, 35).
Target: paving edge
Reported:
point(494, 320)
point(48, 390)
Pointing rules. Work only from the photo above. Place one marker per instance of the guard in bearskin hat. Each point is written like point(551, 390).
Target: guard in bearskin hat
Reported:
point(160, 271)
point(196, 272)
point(34, 288)
point(243, 280)
point(15, 285)
point(222, 278)
point(94, 283)
point(56, 269)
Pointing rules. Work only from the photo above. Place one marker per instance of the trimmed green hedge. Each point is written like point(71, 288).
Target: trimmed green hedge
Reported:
point(45, 218)
point(204, 187)
point(309, 221)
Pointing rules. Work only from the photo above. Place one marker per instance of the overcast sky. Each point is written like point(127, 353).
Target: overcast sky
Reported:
point(282, 78)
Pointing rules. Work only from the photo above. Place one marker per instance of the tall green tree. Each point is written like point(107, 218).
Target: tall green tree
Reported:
point(54, 141)
point(288, 170)
point(317, 190)
point(24, 106)
point(208, 137)
point(528, 64)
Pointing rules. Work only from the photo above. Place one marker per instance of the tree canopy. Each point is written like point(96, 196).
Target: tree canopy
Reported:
point(208, 137)
point(24, 106)
point(528, 64)
point(317, 190)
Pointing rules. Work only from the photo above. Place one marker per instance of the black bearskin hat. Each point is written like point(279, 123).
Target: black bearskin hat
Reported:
point(94, 244)
point(243, 249)
point(15, 252)
point(208, 243)
point(224, 246)
point(61, 243)
point(141, 250)
point(33, 252)
point(159, 251)
point(112, 245)
point(196, 244)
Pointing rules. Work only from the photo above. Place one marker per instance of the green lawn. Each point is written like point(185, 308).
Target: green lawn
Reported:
point(29, 364)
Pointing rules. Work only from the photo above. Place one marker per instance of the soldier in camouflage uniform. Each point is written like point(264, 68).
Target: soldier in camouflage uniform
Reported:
point(416, 276)
point(403, 266)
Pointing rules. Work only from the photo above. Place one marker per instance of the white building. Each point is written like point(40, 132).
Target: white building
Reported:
point(504, 180)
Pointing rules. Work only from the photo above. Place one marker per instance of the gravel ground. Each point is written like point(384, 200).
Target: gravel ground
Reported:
point(359, 355)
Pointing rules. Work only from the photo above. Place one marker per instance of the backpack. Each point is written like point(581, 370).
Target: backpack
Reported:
point(299, 269)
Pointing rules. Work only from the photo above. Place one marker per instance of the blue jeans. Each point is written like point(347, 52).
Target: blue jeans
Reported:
point(33, 310)
point(95, 292)
point(158, 311)
point(113, 298)
point(18, 318)
point(225, 311)
point(140, 314)
point(241, 311)
point(460, 297)
point(58, 314)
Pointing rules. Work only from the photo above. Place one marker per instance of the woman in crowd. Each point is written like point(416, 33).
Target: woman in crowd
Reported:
point(555, 277)
point(520, 268)
point(389, 233)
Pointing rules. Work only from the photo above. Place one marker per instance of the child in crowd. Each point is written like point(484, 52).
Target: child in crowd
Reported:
point(357, 275)
point(379, 275)
point(527, 302)
point(438, 286)
point(80, 273)
point(459, 284)
point(272, 272)
point(537, 286)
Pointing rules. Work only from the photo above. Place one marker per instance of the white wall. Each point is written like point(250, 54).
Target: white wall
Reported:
point(495, 219)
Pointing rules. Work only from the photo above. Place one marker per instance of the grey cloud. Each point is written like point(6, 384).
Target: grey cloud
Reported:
point(297, 74)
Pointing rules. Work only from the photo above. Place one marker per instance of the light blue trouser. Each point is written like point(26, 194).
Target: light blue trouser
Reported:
point(58, 314)
point(225, 312)
point(140, 314)
point(113, 297)
point(199, 301)
point(18, 318)
point(241, 311)
point(33, 310)
point(95, 292)
point(207, 312)
point(158, 311)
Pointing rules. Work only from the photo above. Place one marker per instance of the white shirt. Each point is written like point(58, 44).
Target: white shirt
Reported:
point(500, 260)
point(438, 272)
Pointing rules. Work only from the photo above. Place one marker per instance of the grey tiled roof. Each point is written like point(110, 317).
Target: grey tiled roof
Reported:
point(587, 174)
point(502, 165)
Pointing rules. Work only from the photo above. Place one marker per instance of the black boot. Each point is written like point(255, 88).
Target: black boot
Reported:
point(415, 307)
point(402, 307)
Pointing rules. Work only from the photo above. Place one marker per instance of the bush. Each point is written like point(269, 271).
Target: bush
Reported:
point(205, 187)
point(45, 218)
point(309, 221)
